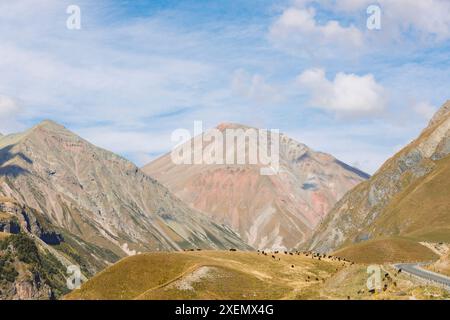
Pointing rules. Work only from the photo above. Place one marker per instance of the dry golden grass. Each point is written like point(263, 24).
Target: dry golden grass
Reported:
point(4, 235)
point(244, 276)
point(422, 210)
point(6, 199)
point(208, 275)
point(442, 265)
point(5, 215)
point(387, 250)
point(132, 276)
point(351, 282)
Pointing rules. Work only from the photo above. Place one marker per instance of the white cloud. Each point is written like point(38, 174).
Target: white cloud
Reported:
point(126, 141)
point(337, 29)
point(138, 146)
point(297, 30)
point(349, 142)
point(128, 76)
point(425, 110)
point(143, 158)
point(347, 94)
point(425, 17)
point(9, 109)
point(8, 106)
point(117, 91)
point(254, 87)
point(428, 17)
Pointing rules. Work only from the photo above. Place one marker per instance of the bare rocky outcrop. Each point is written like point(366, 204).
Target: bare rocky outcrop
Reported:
point(22, 217)
point(31, 290)
point(8, 222)
point(29, 268)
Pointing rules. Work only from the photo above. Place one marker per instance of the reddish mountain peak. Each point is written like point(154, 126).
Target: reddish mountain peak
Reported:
point(231, 125)
point(49, 125)
point(268, 211)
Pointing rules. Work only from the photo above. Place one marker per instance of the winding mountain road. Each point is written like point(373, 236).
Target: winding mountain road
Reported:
point(416, 270)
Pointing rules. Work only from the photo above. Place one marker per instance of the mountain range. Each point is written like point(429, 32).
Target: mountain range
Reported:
point(64, 201)
point(95, 206)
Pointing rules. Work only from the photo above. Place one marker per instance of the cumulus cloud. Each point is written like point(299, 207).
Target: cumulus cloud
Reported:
point(121, 80)
point(297, 30)
point(428, 18)
point(330, 29)
point(346, 94)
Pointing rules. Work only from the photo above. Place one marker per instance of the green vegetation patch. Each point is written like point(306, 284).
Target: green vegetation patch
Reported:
point(21, 248)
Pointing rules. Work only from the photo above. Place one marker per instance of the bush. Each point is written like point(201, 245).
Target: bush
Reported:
point(7, 271)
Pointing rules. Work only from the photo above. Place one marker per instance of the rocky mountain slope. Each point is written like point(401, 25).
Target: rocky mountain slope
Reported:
point(65, 247)
point(268, 211)
point(29, 267)
point(28, 271)
point(100, 203)
point(409, 196)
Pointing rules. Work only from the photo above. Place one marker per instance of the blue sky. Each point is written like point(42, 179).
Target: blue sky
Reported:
point(137, 70)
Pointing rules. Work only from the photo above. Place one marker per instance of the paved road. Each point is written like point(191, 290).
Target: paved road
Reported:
point(415, 269)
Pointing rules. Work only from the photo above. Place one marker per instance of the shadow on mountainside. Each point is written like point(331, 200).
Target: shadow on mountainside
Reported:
point(12, 169)
point(360, 173)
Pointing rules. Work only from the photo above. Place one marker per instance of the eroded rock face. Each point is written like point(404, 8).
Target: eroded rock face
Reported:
point(359, 213)
point(31, 290)
point(9, 225)
point(29, 269)
point(268, 211)
point(99, 197)
point(22, 217)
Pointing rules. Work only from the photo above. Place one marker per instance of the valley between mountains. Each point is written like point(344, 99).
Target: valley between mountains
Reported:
point(219, 231)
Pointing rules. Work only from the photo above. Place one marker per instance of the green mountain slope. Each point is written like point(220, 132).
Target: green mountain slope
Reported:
point(408, 196)
point(28, 269)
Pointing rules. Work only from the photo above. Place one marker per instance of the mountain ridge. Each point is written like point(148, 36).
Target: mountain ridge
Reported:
point(99, 196)
point(275, 211)
point(377, 207)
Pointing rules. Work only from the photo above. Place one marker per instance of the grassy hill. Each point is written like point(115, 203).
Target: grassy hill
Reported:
point(208, 275)
point(419, 213)
point(422, 210)
point(408, 198)
point(244, 275)
point(386, 250)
